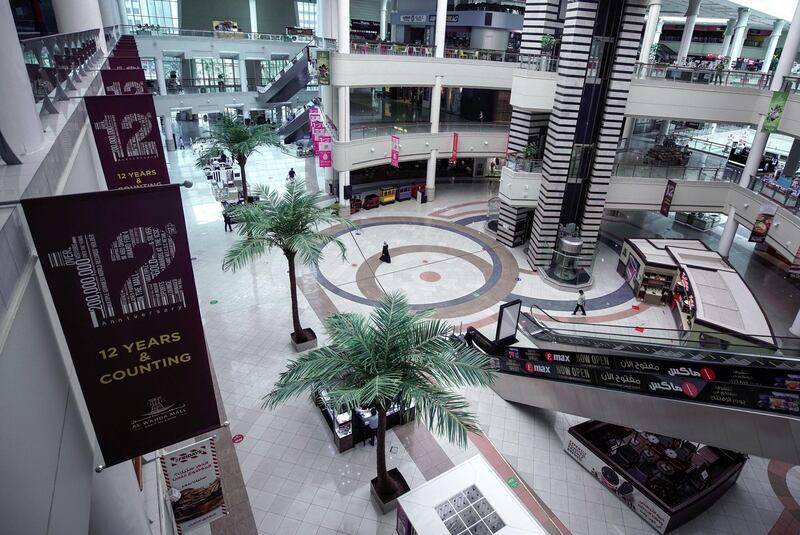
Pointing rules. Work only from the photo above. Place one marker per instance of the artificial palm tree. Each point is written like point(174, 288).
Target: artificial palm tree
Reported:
point(393, 357)
point(290, 222)
point(231, 134)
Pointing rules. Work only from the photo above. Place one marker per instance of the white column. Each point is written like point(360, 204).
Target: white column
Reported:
point(253, 17)
point(728, 233)
point(755, 154)
point(166, 122)
point(123, 13)
point(343, 40)
point(78, 16)
point(107, 13)
point(384, 18)
point(795, 328)
point(727, 36)
point(688, 30)
point(627, 132)
point(161, 77)
point(243, 74)
point(792, 159)
point(739, 33)
point(664, 127)
point(344, 133)
point(657, 35)
point(772, 43)
point(436, 100)
point(441, 24)
point(19, 121)
point(430, 176)
point(653, 12)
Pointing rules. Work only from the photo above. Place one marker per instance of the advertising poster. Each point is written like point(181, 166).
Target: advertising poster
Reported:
point(772, 120)
point(395, 162)
point(194, 485)
point(124, 63)
point(123, 81)
point(119, 270)
point(314, 114)
point(325, 146)
point(324, 67)
point(454, 155)
point(763, 222)
point(669, 193)
point(128, 142)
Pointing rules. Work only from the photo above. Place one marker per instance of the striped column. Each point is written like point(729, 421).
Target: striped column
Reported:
point(512, 224)
point(524, 124)
point(541, 17)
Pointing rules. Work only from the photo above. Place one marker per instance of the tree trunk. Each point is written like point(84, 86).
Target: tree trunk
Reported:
point(299, 333)
point(242, 162)
point(384, 486)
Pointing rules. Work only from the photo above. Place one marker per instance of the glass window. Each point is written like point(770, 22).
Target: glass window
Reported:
point(162, 13)
point(306, 14)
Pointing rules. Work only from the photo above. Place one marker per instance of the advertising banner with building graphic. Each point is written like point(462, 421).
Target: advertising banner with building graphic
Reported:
point(324, 67)
point(763, 223)
point(194, 485)
point(395, 156)
point(126, 133)
point(118, 267)
point(325, 145)
point(776, 106)
point(123, 81)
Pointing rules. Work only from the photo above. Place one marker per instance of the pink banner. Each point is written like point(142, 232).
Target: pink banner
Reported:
point(454, 156)
point(395, 151)
point(324, 151)
point(314, 114)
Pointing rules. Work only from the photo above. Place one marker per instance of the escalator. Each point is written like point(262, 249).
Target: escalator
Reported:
point(295, 129)
point(730, 398)
point(293, 78)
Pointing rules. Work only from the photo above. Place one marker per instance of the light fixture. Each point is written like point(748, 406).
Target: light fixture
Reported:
point(747, 205)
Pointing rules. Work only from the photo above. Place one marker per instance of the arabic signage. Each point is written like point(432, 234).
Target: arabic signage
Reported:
point(763, 223)
point(123, 81)
point(395, 161)
point(324, 67)
point(669, 193)
point(414, 18)
point(118, 267)
point(124, 62)
point(325, 146)
point(126, 133)
point(776, 106)
point(454, 155)
point(194, 485)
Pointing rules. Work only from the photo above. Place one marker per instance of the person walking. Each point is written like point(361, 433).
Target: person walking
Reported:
point(385, 254)
point(581, 303)
point(226, 216)
point(292, 174)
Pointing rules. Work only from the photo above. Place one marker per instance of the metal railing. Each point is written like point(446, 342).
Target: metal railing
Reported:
point(211, 34)
point(517, 161)
point(784, 194)
point(791, 84)
point(678, 172)
point(692, 75)
point(364, 131)
point(189, 86)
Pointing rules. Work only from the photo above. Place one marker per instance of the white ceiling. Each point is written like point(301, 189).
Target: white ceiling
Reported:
point(727, 9)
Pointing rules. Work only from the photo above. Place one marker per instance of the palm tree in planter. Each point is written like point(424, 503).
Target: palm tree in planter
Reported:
point(394, 358)
point(290, 222)
point(231, 134)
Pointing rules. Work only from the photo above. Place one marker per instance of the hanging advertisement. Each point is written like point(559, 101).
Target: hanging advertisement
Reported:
point(324, 67)
point(128, 142)
point(124, 62)
point(395, 161)
point(324, 152)
point(669, 193)
point(123, 81)
point(314, 114)
point(454, 155)
point(194, 485)
point(776, 106)
point(317, 130)
point(119, 271)
point(763, 222)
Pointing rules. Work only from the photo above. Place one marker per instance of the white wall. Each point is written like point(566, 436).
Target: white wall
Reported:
point(519, 188)
point(488, 38)
point(157, 46)
point(533, 90)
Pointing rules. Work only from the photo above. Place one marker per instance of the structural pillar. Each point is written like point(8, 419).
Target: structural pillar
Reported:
point(664, 130)
point(436, 100)
point(441, 24)
point(343, 39)
point(739, 33)
point(728, 234)
point(169, 137)
point(253, 17)
point(726, 37)
point(78, 16)
point(384, 18)
point(344, 137)
point(19, 122)
point(161, 77)
point(657, 36)
point(688, 30)
point(772, 43)
point(653, 13)
point(627, 132)
point(795, 328)
point(243, 74)
point(792, 159)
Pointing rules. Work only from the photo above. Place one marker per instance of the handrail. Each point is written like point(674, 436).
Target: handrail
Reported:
point(677, 172)
point(167, 31)
point(706, 76)
point(368, 130)
point(516, 161)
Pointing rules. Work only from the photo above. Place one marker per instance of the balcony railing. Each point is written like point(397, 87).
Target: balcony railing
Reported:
point(363, 131)
point(678, 172)
point(691, 75)
point(210, 34)
point(516, 161)
point(791, 84)
point(784, 191)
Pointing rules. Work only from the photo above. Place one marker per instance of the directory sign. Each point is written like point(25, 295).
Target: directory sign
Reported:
point(126, 133)
point(119, 271)
point(123, 81)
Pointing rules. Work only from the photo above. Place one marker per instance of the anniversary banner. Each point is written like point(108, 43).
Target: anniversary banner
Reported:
point(118, 267)
point(124, 81)
point(126, 133)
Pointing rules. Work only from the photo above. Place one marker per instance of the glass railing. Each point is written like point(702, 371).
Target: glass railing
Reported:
point(791, 84)
point(363, 131)
point(691, 75)
point(784, 191)
point(678, 172)
point(191, 86)
point(518, 162)
point(210, 34)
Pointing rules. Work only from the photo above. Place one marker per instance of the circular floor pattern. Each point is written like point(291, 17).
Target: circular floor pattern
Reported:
point(430, 276)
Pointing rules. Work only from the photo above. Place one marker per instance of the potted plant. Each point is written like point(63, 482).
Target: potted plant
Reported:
point(231, 134)
point(531, 151)
point(547, 43)
point(289, 222)
point(393, 357)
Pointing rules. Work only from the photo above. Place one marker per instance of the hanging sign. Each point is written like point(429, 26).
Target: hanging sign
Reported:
point(120, 62)
point(324, 67)
point(763, 222)
point(395, 162)
point(126, 132)
point(324, 151)
point(776, 106)
point(317, 130)
point(669, 193)
point(119, 270)
point(454, 155)
point(123, 81)
point(194, 485)
point(314, 114)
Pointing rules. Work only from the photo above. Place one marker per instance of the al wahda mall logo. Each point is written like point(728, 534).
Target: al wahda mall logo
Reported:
point(159, 412)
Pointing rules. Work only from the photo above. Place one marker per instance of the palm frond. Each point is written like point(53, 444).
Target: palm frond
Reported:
point(445, 413)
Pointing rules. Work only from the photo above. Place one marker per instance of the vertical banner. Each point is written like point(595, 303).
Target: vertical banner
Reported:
point(124, 62)
point(119, 270)
point(395, 162)
point(324, 152)
point(763, 222)
point(669, 193)
point(126, 132)
point(314, 114)
point(194, 485)
point(317, 128)
point(123, 81)
point(454, 155)
point(324, 67)
point(776, 106)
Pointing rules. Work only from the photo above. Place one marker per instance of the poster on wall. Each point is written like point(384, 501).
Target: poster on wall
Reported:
point(123, 81)
point(128, 142)
point(325, 146)
point(324, 67)
point(395, 157)
point(772, 119)
point(124, 62)
point(225, 25)
point(763, 223)
point(119, 270)
point(669, 193)
point(454, 155)
point(194, 485)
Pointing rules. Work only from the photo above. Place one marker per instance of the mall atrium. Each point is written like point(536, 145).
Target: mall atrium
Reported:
point(435, 267)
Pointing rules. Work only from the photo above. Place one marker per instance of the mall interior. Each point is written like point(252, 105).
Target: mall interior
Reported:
point(597, 201)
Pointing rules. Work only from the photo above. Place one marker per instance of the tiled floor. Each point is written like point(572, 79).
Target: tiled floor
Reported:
point(298, 483)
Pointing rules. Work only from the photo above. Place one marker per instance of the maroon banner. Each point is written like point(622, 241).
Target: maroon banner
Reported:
point(119, 270)
point(128, 142)
point(124, 81)
point(124, 63)
point(454, 154)
point(666, 201)
point(125, 53)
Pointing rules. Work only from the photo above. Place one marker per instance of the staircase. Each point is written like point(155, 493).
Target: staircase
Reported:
point(293, 77)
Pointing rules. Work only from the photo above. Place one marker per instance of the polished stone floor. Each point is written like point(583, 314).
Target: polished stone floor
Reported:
point(298, 483)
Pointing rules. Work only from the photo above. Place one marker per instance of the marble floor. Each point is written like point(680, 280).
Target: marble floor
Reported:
point(295, 479)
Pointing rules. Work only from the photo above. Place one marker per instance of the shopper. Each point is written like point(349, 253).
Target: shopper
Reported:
point(228, 220)
point(182, 145)
point(581, 303)
point(718, 70)
point(385, 257)
point(292, 174)
point(370, 427)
